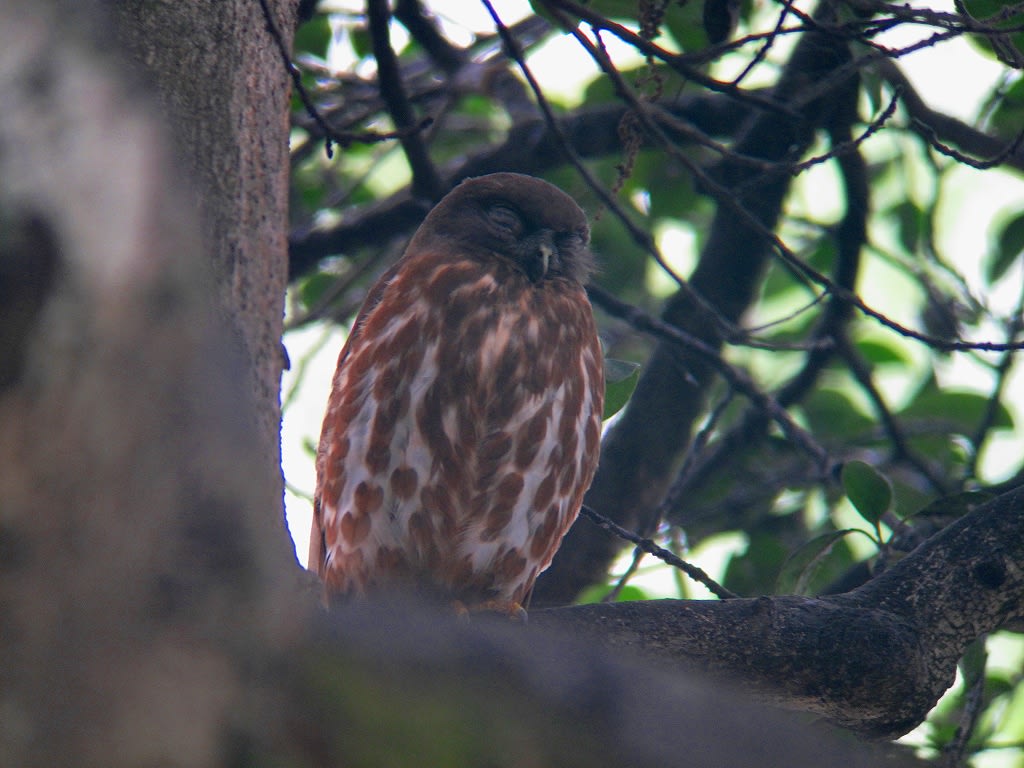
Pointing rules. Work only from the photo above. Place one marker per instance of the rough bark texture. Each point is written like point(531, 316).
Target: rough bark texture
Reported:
point(218, 75)
point(874, 660)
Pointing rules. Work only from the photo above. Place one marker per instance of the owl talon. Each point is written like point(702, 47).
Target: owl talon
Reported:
point(509, 608)
point(461, 611)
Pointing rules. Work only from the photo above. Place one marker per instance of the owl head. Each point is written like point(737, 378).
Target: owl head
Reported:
point(520, 220)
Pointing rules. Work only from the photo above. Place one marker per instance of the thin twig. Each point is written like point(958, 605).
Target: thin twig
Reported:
point(674, 61)
point(737, 378)
point(845, 147)
point(448, 57)
point(640, 236)
point(974, 700)
point(762, 51)
point(641, 110)
point(901, 447)
point(634, 566)
point(675, 493)
point(426, 182)
point(928, 133)
point(661, 553)
point(730, 200)
point(296, 77)
point(995, 399)
point(945, 127)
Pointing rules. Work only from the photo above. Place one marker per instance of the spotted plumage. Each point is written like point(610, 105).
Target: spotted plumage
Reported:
point(463, 424)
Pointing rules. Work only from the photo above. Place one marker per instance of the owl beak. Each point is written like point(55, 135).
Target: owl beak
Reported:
point(546, 252)
point(539, 254)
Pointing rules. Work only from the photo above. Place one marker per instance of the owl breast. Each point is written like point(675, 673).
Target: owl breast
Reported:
point(458, 445)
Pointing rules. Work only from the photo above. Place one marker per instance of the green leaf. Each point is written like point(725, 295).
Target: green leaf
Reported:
point(961, 412)
point(831, 413)
point(871, 87)
point(998, 14)
point(1009, 245)
point(314, 287)
point(972, 663)
point(869, 490)
point(685, 22)
point(911, 223)
point(880, 353)
point(670, 187)
point(755, 570)
point(361, 42)
point(908, 496)
point(541, 10)
point(1008, 115)
point(313, 37)
point(620, 378)
point(800, 567)
point(610, 9)
point(597, 593)
point(997, 684)
point(778, 279)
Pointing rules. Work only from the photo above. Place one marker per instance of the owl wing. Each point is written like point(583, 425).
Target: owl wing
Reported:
point(317, 545)
point(372, 460)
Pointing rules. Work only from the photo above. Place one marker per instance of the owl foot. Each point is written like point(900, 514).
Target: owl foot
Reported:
point(509, 608)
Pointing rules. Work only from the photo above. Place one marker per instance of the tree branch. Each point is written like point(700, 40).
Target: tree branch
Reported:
point(448, 57)
point(931, 124)
point(874, 660)
point(529, 148)
point(378, 683)
point(426, 184)
point(850, 236)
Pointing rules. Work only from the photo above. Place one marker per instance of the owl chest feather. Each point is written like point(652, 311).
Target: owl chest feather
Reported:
point(465, 434)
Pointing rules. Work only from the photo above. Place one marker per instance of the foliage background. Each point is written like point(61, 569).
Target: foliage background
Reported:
point(942, 255)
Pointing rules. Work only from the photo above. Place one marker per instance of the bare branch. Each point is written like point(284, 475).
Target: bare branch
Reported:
point(426, 183)
point(946, 129)
point(661, 553)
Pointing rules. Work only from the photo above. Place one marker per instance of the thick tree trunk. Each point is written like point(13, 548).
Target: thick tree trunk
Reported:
point(139, 569)
point(218, 74)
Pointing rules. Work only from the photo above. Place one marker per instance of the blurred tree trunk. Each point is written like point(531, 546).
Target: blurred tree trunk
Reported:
point(218, 75)
point(141, 550)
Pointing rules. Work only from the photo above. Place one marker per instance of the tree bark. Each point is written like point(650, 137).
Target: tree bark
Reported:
point(874, 660)
point(218, 76)
point(138, 570)
point(401, 683)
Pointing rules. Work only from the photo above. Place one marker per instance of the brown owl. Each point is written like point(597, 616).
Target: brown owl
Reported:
point(464, 421)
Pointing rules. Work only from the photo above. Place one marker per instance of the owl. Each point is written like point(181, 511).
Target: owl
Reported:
point(464, 420)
